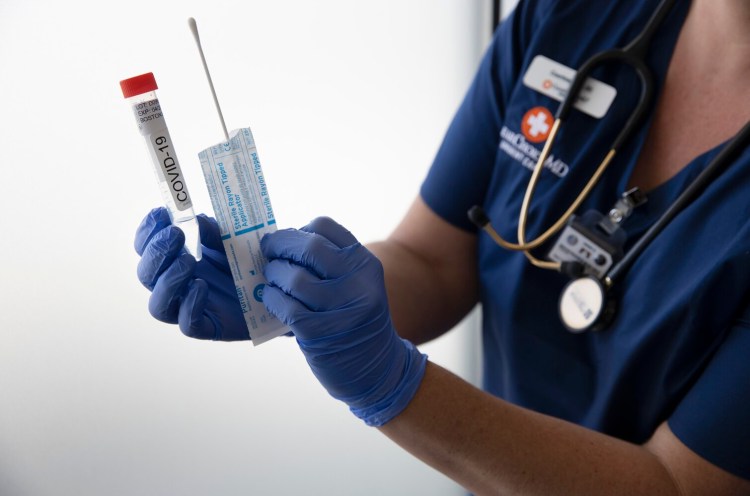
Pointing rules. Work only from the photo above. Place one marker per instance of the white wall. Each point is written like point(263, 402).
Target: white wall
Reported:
point(348, 102)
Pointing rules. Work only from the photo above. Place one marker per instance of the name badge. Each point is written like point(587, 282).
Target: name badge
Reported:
point(553, 79)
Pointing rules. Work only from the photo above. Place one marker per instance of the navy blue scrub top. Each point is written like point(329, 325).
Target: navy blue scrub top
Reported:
point(679, 348)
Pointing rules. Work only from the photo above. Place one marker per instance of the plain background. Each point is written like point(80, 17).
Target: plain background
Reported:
point(348, 102)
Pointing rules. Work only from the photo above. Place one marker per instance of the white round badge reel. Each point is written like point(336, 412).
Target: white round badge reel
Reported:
point(584, 305)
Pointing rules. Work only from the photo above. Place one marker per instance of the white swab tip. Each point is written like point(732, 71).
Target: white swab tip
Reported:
point(193, 27)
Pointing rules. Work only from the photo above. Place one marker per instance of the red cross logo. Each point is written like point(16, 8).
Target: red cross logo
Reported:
point(536, 124)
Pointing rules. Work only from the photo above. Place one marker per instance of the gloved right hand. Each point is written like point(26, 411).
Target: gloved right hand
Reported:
point(199, 296)
point(330, 290)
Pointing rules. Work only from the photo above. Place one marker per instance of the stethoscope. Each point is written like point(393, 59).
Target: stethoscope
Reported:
point(587, 302)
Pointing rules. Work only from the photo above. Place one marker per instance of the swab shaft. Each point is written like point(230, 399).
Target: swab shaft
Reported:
point(194, 28)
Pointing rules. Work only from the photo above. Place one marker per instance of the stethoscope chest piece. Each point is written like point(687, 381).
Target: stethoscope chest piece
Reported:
point(584, 305)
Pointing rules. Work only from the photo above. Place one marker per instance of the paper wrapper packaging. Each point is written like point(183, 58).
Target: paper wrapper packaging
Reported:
point(243, 210)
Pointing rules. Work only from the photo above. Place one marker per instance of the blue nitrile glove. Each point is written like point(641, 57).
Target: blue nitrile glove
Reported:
point(329, 289)
point(200, 297)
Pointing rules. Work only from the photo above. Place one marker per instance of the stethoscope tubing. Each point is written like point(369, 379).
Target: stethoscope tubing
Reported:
point(720, 162)
point(633, 55)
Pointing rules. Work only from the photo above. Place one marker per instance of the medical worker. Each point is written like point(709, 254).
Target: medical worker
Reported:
point(657, 401)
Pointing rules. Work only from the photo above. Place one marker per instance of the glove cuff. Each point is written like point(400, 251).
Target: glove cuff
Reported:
point(393, 404)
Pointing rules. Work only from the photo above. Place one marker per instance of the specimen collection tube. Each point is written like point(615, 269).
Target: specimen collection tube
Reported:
point(140, 93)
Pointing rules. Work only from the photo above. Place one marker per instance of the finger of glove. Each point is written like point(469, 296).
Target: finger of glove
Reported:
point(311, 250)
point(284, 307)
point(156, 220)
point(192, 318)
point(331, 230)
point(210, 232)
point(316, 294)
point(159, 254)
point(165, 299)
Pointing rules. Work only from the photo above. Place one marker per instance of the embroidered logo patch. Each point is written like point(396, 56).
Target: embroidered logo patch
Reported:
point(536, 124)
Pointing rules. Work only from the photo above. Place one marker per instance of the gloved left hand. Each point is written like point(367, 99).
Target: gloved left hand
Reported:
point(199, 296)
point(330, 290)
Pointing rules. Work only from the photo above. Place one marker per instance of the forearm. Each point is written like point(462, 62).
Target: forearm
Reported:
point(331, 292)
point(431, 273)
point(492, 447)
point(424, 301)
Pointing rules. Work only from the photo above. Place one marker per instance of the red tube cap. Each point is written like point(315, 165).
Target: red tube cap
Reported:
point(138, 85)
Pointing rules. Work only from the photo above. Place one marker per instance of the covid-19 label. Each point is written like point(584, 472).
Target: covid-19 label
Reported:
point(150, 120)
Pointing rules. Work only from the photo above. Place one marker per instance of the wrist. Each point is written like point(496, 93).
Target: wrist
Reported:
point(398, 389)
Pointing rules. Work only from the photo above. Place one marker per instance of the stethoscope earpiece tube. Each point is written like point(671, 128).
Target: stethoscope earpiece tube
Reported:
point(478, 217)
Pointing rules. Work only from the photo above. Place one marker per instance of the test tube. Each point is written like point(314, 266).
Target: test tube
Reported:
point(140, 93)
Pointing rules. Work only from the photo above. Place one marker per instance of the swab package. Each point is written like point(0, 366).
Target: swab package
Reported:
point(243, 210)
